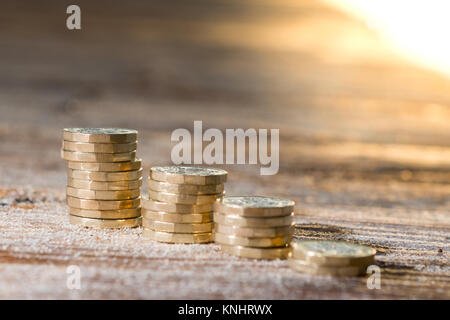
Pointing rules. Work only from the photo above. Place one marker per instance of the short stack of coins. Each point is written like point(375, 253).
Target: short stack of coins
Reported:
point(180, 204)
point(254, 227)
point(104, 177)
point(330, 258)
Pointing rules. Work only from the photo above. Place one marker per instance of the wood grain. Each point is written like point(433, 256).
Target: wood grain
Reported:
point(364, 143)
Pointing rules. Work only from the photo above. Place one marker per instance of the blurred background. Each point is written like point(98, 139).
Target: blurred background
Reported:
point(356, 88)
point(329, 74)
point(360, 91)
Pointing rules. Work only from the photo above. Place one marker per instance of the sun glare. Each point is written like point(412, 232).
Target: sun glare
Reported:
point(419, 30)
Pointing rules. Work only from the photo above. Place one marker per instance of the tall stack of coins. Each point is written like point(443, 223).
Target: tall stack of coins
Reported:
point(330, 258)
point(254, 227)
point(103, 177)
point(180, 204)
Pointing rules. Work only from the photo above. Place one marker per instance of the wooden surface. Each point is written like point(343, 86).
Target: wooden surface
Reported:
point(364, 143)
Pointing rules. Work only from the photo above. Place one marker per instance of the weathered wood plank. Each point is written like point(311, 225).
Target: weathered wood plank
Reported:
point(364, 143)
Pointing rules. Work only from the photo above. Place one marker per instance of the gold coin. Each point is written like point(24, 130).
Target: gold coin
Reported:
point(255, 206)
point(255, 232)
point(239, 221)
point(304, 267)
point(188, 175)
point(100, 135)
point(104, 176)
point(332, 253)
point(182, 198)
point(185, 188)
point(97, 157)
point(99, 147)
point(103, 195)
point(177, 217)
point(257, 253)
point(106, 214)
point(161, 226)
point(252, 242)
point(104, 185)
point(188, 238)
point(103, 204)
point(153, 205)
point(106, 166)
point(105, 223)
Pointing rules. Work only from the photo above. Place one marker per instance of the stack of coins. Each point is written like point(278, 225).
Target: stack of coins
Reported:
point(103, 177)
point(180, 204)
point(254, 227)
point(330, 258)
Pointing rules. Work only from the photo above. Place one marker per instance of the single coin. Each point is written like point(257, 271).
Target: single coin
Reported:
point(161, 226)
point(255, 232)
point(102, 185)
point(100, 135)
point(105, 223)
point(104, 176)
point(305, 267)
point(103, 204)
point(153, 205)
point(103, 195)
point(185, 188)
point(252, 242)
point(183, 198)
point(97, 157)
point(332, 253)
point(188, 238)
point(255, 206)
point(106, 166)
point(177, 217)
point(188, 175)
point(106, 214)
point(257, 253)
point(99, 147)
point(239, 221)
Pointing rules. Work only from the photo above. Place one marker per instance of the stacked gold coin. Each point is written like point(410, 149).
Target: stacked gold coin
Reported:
point(180, 204)
point(103, 177)
point(254, 227)
point(330, 258)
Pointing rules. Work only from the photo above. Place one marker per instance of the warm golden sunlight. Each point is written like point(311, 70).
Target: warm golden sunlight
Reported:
point(417, 29)
point(225, 150)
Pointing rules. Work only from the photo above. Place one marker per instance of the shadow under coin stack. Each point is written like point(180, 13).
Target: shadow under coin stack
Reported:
point(254, 227)
point(103, 177)
point(180, 204)
point(330, 258)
